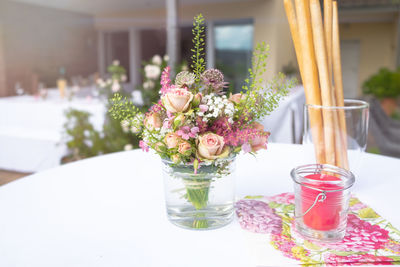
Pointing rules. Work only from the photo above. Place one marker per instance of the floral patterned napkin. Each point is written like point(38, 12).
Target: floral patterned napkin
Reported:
point(369, 238)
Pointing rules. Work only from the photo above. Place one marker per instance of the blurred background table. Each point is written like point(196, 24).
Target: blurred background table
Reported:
point(110, 211)
point(31, 129)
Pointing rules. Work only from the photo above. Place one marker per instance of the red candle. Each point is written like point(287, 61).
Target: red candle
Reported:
point(324, 215)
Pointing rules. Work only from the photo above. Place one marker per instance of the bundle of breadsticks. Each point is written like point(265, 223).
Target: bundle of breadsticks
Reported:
point(317, 46)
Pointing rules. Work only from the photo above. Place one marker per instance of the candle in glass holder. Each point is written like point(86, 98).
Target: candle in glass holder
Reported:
point(322, 194)
point(325, 215)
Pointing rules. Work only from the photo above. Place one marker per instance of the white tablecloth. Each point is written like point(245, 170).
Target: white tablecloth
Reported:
point(109, 211)
point(31, 130)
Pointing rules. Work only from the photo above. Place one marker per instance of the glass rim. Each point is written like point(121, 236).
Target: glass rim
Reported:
point(356, 104)
point(347, 178)
point(202, 163)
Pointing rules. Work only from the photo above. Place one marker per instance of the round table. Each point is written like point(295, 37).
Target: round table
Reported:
point(109, 211)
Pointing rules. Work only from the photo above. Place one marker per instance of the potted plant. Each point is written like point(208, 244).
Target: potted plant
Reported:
point(384, 85)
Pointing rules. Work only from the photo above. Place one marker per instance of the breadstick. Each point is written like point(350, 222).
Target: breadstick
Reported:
point(337, 75)
point(326, 91)
point(310, 77)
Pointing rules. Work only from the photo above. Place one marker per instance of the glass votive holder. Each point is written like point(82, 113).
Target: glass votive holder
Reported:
point(322, 194)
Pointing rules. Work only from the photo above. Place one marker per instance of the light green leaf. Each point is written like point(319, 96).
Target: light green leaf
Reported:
point(310, 245)
point(367, 213)
point(253, 197)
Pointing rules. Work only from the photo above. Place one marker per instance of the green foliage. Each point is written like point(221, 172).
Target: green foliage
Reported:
point(198, 62)
point(122, 108)
point(116, 71)
point(384, 84)
point(260, 100)
point(83, 140)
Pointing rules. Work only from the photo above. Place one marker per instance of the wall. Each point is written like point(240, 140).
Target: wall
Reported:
point(377, 45)
point(270, 24)
point(39, 40)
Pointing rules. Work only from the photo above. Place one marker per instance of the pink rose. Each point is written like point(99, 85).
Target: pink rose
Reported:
point(211, 146)
point(177, 100)
point(184, 147)
point(235, 98)
point(171, 140)
point(153, 121)
point(260, 140)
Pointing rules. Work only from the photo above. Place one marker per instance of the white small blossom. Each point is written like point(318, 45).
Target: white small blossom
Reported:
point(124, 78)
point(152, 71)
point(115, 62)
point(147, 85)
point(100, 82)
point(115, 86)
point(166, 58)
point(157, 60)
point(86, 133)
point(128, 147)
point(125, 126)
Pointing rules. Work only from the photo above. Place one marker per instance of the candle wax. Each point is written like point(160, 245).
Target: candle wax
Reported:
point(324, 215)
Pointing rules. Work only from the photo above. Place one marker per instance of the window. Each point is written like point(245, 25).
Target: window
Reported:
point(233, 50)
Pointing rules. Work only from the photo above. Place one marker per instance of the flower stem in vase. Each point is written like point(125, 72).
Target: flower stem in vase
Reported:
point(197, 194)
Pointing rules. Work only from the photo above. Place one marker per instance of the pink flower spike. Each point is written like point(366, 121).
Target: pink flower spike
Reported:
point(180, 132)
point(246, 147)
point(143, 145)
point(165, 81)
point(166, 124)
point(170, 115)
point(194, 130)
point(185, 136)
point(203, 108)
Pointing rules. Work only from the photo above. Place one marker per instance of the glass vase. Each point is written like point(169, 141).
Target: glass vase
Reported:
point(322, 194)
point(341, 136)
point(203, 199)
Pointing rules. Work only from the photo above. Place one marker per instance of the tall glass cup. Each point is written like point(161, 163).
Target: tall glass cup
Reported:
point(341, 136)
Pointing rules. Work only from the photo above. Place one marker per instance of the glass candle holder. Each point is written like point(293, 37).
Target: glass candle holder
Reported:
point(322, 194)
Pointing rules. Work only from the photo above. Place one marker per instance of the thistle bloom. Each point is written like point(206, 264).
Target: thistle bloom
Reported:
point(185, 78)
point(213, 78)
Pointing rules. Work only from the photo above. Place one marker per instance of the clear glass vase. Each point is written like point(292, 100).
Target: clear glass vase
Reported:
point(201, 200)
point(341, 137)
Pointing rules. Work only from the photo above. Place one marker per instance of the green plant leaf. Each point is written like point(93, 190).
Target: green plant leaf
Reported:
point(367, 213)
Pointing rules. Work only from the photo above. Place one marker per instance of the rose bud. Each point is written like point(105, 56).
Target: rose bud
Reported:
point(235, 98)
point(197, 99)
point(179, 120)
point(175, 158)
point(184, 147)
point(153, 121)
point(171, 140)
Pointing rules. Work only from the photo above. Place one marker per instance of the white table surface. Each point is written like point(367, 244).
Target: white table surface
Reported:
point(31, 129)
point(109, 211)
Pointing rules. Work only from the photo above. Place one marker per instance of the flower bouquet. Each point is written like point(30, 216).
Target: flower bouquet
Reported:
point(198, 129)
